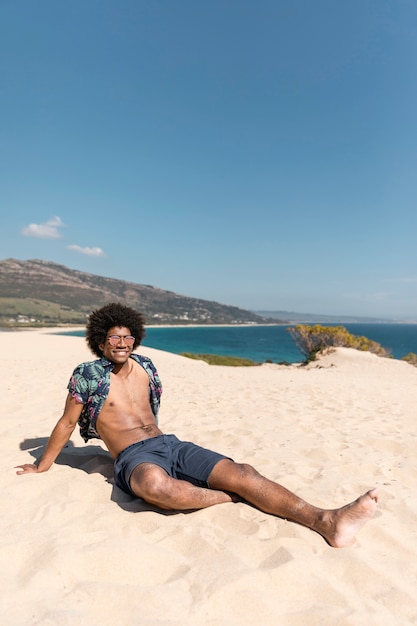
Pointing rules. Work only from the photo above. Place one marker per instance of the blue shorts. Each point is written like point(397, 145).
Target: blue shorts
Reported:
point(180, 459)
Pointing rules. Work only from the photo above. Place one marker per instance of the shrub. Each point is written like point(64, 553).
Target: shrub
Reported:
point(411, 358)
point(311, 340)
point(216, 359)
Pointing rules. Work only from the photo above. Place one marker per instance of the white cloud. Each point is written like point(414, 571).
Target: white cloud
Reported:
point(47, 230)
point(88, 251)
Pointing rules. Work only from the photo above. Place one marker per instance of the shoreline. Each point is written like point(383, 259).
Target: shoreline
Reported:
point(258, 344)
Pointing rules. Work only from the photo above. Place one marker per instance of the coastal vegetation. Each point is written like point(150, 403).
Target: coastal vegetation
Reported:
point(37, 313)
point(217, 359)
point(313, 340)
point(410, 358)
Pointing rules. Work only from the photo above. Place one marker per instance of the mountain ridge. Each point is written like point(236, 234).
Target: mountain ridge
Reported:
point(43, 292)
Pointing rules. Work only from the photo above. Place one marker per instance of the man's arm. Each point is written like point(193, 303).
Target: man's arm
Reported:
point(59, 437)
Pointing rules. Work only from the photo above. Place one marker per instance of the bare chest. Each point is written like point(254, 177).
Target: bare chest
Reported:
point(130, 391)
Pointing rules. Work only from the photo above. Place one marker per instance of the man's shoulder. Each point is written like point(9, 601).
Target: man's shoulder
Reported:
point(140, 358)
point(144, 361)
point(92, 367)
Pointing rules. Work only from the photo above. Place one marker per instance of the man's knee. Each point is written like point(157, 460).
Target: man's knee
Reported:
point(231, 476)
point(244, 471)
point(151, 483)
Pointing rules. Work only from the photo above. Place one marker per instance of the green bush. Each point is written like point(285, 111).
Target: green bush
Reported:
point(216, 359)
point(311, 340)
point(411, 358)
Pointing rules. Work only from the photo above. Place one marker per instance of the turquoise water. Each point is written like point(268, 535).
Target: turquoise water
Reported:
point(267, 343)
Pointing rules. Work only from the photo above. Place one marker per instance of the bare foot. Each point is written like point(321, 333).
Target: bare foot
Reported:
point(340, 526)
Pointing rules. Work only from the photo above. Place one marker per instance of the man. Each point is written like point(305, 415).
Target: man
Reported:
point(116, 398)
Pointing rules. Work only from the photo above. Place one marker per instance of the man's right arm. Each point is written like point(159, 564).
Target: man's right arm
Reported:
point(58, 439)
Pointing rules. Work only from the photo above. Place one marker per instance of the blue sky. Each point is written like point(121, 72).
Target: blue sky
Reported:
point(260, 153)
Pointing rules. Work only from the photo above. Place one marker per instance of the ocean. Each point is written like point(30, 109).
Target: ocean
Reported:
point(266, 343)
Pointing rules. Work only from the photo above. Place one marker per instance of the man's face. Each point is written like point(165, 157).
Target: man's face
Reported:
point(118, 345)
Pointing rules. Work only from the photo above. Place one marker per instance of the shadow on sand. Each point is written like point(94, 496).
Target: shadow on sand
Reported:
point(92, 459)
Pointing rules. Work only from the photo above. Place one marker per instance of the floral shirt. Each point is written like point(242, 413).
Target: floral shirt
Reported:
point(90, 385)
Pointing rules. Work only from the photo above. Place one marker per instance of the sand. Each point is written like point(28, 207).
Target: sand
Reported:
point(78, 551)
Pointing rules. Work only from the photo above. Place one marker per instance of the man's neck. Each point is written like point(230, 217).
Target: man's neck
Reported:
point(123, 369)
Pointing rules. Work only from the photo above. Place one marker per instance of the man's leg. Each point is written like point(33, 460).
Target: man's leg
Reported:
point(151, 483)
point(337, 526)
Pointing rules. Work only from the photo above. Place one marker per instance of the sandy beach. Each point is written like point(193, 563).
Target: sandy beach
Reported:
point(76, 550)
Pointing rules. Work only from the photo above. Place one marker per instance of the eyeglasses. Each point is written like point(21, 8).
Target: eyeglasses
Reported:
point(115, 339)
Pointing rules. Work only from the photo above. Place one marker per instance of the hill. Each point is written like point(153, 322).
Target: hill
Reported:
point(40, 292)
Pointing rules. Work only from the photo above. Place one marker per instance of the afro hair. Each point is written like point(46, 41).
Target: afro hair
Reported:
point(110, 315)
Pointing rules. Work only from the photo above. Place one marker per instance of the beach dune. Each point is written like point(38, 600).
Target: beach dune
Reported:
point(78, 551)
